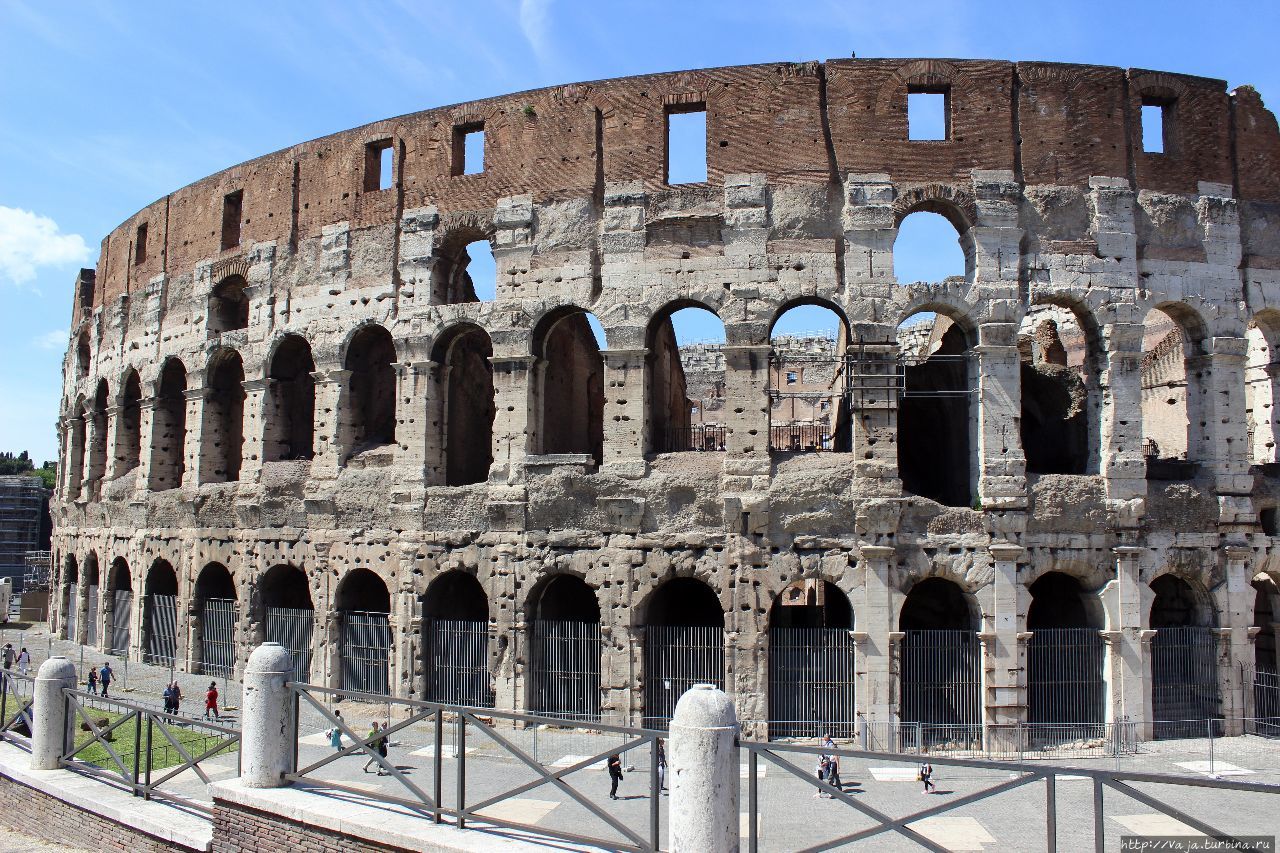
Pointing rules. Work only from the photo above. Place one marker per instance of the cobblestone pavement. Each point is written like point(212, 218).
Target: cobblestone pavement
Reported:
point(12, 841)
point(790, 815)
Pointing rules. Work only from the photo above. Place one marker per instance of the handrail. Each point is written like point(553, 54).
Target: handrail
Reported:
point(9, 680)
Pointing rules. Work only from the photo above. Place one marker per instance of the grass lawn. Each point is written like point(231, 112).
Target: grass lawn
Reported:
point(193, 739)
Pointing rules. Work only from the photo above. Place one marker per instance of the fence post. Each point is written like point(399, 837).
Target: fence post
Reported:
point(266, 721)
point(50, 722)
point(704, 770)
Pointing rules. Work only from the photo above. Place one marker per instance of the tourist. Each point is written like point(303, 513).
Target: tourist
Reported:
point(9, 655)
point(926, 776)
point(824, 764)
point(105, 675)
point(382, 751)
point(662, 764)
point(335, 733)
point(177, 697)
point(615, 775)
point(168, 698)
point(24, 661)
point(211, 701)
point(833, 764)
point(373, 743)
point(93, 681)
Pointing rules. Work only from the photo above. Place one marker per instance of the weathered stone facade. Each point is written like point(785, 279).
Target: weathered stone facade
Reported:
point(185, 439)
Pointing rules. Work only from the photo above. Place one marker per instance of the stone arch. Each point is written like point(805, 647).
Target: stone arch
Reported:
point(291, 400)
point(222, 435)
point(362, 590)
point(287, 613)
point(953, 204)
point(1061, 390)
point(370, 356)
point(1180, 602)
point(683, 644)
point(84, 354)
point(465, 381)
point(940, 680)
point(117, 608)
point(569, 385)
point(1262, 391)
point(457, 665)
point(812, 661)
point(808, 408)
point(128, 447)
point(676, 421)
point(160, 614)
point(229, 305)
point(451, 284)
point(216, 609)
point(563, 618)
point(169, 427)
point(95, 451)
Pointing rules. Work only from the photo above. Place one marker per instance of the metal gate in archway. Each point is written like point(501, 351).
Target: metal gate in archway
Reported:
point(364, 650)
point(162, 629)
point(565, 665)
point(941, 689)
point(70, 603)
point(121, 617)
point(676, 657)
point(1184, 682)
point(1066, 695)
point(91, 616)
point(456, 662)
point(811, 683)
point(292, 628)
point(218, 618)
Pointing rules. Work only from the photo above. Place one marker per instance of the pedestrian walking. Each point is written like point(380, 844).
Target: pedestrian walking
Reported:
point(662, 764)
point(382, 750)
point(373, 744)
point(926, 776)
point(9, 655)
point(335, 733)
point(211, 701)
point(615, 775)
point(24, 661)
point(177, 698)
point(104, 676)
point(168, 698)
point(833, 764)
point(93, 681)
point(824, 763)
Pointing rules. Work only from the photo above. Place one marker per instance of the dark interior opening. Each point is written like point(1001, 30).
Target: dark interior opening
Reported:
point(566, 598)
point(373, 387)
point(933, 424)
point(456, 595)
point(685, 601)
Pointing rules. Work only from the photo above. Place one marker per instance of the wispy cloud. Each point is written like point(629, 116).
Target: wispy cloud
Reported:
point(55, 339)
point(533, 24)
point(29, 241)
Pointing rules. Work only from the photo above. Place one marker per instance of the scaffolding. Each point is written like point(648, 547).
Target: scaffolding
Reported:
point(22, 502)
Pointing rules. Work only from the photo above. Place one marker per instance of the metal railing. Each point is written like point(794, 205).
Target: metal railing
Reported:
point(156, 748)
point(451, 728)
point(1115, 780)
point(17, 692)
point(801, 438)
point(704, 437)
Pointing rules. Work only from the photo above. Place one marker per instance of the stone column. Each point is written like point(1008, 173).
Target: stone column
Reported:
point(114, 465)
point(257, 402)
point(1227, 429)
point(322, 641)
point(51, 726)
point(332, 423)
point(266, 723)
point(746, 381)
point(73, 477)
point(1122, 462)
point(506, 632)
point(147, 462)
point(1006, 684)
point(1134, 644)
point(194, 452)
point(82, 610)
point(1236, 607)
point(95, 454)
point(413, 430)
point(704, 773)
point(626, 428)
point(436, 423)
point(875, 624)
point(1001, 466)
point(514, 422)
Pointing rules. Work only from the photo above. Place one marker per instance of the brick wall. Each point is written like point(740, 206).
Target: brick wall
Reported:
point(237, 829)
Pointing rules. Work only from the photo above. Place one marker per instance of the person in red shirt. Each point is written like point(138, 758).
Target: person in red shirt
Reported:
point(211, 701)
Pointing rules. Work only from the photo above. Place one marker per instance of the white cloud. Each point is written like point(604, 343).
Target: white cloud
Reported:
point(533, 23)
point(54, 340)
point(28, 241)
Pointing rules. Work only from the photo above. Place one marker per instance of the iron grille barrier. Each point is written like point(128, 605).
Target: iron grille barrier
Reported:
point(162, 629)
point(17, 692)
point(291, 627)
point(218, 619)
point(565, 663)
point(71, 603)
point(364, 650)
point(1184, 681)
point(1064, 679)
point(91, 616)
point(800, 438)
point(941, 688)
point(1012, 742)
point(811, 683)
point(457, 656)
point(703, 437)
point(676, 657)
point(449, 729)
point(1265, 720)
point(142, 749)
point(121, 617)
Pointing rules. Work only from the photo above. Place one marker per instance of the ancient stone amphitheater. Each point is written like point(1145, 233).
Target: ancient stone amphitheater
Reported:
point(286, 414)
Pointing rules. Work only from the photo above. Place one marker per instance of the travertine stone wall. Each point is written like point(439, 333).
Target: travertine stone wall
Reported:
point(810, 173)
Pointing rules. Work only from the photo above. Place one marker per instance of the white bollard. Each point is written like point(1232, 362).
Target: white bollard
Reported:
point(266, 721)
point(704, 773)
point(50, 723)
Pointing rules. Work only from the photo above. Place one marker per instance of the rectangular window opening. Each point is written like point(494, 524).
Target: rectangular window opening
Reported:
point(687, 145)
point(140, 245)
point(232, 208)
point(379, 166)
point(468, 149)
point(928, 114)
point(1155, 127)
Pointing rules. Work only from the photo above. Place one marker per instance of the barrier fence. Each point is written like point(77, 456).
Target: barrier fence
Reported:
point(16, 696)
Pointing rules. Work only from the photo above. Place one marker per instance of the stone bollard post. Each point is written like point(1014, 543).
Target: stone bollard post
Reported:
point(266, 721)
point(704, 773)
point(50, 723)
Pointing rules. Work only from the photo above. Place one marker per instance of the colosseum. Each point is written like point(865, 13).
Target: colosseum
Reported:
point(1040, 495)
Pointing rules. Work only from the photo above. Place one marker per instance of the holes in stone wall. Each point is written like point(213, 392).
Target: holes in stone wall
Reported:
point(686, 148)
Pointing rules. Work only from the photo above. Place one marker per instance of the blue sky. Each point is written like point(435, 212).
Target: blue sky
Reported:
point(105, 107)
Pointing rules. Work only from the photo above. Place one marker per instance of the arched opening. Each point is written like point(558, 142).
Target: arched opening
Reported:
point(289, 615)
point(371, 358)
point(229, 305)
point(465, 270)
point(84, 356)
point(564, 659)
point(809, 380)
point(1172, 428)
point(685, 372)
point(364, 647)
point(169, 428)
point(1261, 369)
point(291, 396)
point(70, 597)
point(92, 615)
point(1066, 692)
point(95, 465)
point(129, 425)
point(117, 608)
point(811, 662)
point(1057, 352)
point(936, 414)
point(1266, 677)
point(467, 427)
point(929, 248)
point(219, 613)
point(683, 645)
point(455, 642)
point(224, 419)
point(941, 668)
point(160, 615)
point(1184, 659)
point(570, 373)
